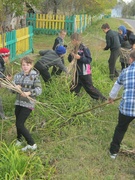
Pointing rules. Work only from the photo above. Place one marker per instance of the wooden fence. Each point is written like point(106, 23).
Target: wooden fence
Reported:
point(52, 24)
point(20, 42)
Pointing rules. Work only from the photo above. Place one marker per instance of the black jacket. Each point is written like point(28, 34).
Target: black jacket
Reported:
point(2, 67)
point(112, 40)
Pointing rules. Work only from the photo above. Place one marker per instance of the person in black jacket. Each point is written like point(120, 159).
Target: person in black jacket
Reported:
point(83, 73)
point(112, 43)
point(59, 41)
point(48, 59)
point(4, 58)
point(125, 44)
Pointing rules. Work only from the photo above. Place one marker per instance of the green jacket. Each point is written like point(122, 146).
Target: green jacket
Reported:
point(112, 40)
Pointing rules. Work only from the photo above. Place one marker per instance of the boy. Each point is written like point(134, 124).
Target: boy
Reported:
point(112, 43)
point(50, 58)
point(127, 104)
point(59, 41)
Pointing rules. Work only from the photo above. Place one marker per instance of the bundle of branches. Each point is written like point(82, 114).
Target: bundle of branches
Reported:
point(124, 53)
point(72, 69)
point(10, 85)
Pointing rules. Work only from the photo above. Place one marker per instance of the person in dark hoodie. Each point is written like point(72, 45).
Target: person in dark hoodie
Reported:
point(125, 44)
point(112, 43)
point(4, 58)
point(59, 41)
point(48, 59)
point(83, 73)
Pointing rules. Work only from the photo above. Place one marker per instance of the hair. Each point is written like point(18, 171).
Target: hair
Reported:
point(105, 26)
point(27, 60)
point(132, 54)
point(75, 36)
point(63, 31)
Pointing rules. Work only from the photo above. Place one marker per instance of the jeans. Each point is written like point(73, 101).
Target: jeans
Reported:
point(120, 130)
point(22, 114)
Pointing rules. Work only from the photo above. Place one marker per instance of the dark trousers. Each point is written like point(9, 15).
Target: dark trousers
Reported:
point(120, 130)
point(55, 70)
point(124, 65)
point(22, 114)
point(114, 54)
point(85, 81)
point(43, 71)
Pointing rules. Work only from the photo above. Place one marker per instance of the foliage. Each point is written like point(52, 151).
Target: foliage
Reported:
point(128, 9)
point(71, 147)
point(14, 165)
point(77, 6)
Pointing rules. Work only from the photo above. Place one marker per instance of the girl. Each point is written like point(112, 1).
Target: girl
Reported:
point(28, 81)
point(83, 56)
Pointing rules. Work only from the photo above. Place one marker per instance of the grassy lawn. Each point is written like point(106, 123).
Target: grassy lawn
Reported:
point(69, 148)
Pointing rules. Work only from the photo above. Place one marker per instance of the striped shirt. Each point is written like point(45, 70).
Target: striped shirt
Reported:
point(127, 80)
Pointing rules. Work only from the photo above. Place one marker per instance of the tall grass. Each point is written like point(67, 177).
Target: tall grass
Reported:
point(69, 147)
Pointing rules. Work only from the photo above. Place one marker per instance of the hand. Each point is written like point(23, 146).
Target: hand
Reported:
point(76, 56)
point(18, 86)
point(110, 100)
point(25, 94)
point(9, 77)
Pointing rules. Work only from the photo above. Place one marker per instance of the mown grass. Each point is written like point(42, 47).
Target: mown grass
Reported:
point(69, 147)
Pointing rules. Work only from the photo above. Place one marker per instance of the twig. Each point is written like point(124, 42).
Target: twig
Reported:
point(103, 104)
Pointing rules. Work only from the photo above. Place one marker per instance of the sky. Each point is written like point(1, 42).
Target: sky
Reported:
point(127, 1)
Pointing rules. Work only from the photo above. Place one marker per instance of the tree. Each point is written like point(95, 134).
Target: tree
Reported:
point(10, 7)
point(77, 6)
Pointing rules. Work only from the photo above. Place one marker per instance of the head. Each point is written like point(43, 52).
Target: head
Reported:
point(63, 33)
point(27, 64)
point(132, 56)
point(5, 53)
point(60, 50)
point(75, 39)
point(105, 27)
point(122, 30)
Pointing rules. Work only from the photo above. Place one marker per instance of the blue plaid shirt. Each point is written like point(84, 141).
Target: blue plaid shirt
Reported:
point(127, 80)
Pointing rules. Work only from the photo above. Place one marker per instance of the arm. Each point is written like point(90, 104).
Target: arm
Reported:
point(43, 52)
point(114, 92)
point(56, 42)
point(86, 56)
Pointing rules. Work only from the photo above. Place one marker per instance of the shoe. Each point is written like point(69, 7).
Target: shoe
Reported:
point(33, 147)
point(113, 156)
point(18, 143)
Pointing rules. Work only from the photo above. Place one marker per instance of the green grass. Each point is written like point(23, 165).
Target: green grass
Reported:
point(69, 148)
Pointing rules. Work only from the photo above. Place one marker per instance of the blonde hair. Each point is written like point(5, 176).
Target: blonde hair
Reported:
point(75, 36)
point(27, 60)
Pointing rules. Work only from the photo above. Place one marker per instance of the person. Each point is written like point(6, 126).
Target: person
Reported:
point(127, 105)
point(4, 58)
point(112, 43)
point(59, 41)
point(29, 83)
point(131, 38)
point(83, 70)
point(50, 58)
point(124, 45)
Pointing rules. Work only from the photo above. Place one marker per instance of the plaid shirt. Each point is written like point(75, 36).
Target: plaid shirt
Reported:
point(127, 80)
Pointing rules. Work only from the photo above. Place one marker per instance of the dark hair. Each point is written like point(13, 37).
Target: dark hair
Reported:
point(105, 26)
point(132, 54)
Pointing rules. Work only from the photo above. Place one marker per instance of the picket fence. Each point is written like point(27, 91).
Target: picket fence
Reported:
point(20, 42)
point(52, 24)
